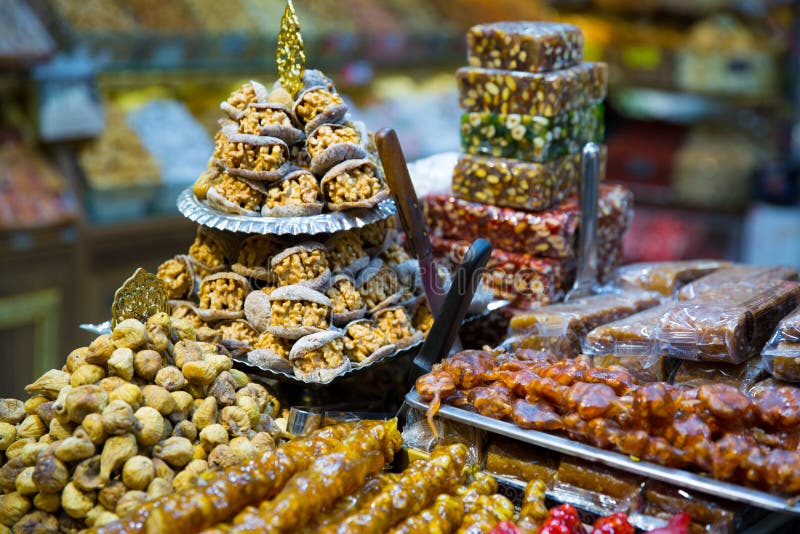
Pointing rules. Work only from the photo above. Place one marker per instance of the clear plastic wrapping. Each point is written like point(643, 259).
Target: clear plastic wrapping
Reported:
point(631, 343)
point(709, 515)
point(736, 277)
point(726, 325)
point(546, 94)
point(417, 434)
point(665, 277)
point(525, 46)
point(742, 376)
point(562, 328)
point(520, 278)
point(781, 355)
point(547, 234)
point(596, 487)
point(519, 184)
point(511, 458)
point(531, 138)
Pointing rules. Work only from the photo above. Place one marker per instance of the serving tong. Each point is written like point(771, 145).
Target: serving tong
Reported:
point(586, 277)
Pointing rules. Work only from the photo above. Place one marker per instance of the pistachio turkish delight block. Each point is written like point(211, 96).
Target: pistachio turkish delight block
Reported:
point(525, 46)
point(545, 93)
point(531, 137)
point(518, 184)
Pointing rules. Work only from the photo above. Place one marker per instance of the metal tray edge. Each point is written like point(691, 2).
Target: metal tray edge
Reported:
point(687, 480)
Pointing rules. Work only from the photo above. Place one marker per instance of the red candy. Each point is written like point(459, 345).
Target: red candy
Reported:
point(563, 520)
point(506, 527)
point(679, 524)
point(613, 524)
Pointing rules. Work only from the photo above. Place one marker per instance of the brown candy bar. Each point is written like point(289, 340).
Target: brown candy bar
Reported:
point(782, 353)
point(519, 278)
point(561, 328)
point(518, 184)
point(729, 325)
point(737, 276)
point(546, 94)
point(525, 46)
point(597, 478)
point(742, 376)
point(511, 458)
point(666, 277)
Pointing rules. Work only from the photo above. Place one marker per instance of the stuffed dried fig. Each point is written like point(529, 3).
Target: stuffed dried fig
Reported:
point(305, 264)
point(49, 384)
point(353, 184)
point(317, 105)
point(116, 452)
point(178, 277)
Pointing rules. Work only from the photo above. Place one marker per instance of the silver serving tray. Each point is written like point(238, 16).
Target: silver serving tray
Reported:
point(677, 477)
point(282, 376)
point(325, 223)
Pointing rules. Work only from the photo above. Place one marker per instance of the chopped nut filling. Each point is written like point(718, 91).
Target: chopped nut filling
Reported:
point(175, 275)
point(344, 297)
point(395, 324)
point(326, 136)
point(374, 234)
point(395, 254)
point(257, 251)
point(207, 251)
point(222, 294)
point(238, 330)
point(243, 96)
point(185, 312)
point(302, 189)
point(423, 319)
point(278, 345)
point(239, 193)
point(380, 287)
point(315, 102)
point(344, 249)
point(353, 185)
point(254, 118)
point(361, 340)
point(293, 314)
point(328, 356)
point(301, 266)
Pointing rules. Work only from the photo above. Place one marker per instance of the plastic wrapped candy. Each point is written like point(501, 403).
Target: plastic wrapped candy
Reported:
point(729, 325)
point(631, 343)
point(782, 354)
point(525, 46)
point(742, 376)
point(519, 184)
point(545, 94)
point(665, 277)
point(531, 138)
point(520, 278)
point(721, 281)
point(561, 328)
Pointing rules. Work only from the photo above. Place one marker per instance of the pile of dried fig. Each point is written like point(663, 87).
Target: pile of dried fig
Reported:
point(137, 414)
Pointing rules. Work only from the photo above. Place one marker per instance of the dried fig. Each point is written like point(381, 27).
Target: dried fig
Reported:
point(110, 495)
point(127, 393)
point(185, 429)
point(74, 450)
point(129, 334)
point(159, 487)
point(262, 442)
point(220, 362)
point(223, 457)
point(235, 420)
point(158, 332)
point(50, 475)
point(37, 522)
point(82, 401)
point(212, 436)
point(184, 480)
point(12, 507)
point(86, 374)
point(240, 379)
point(146, 364)
point(33, 403)
point(181, 329)
point(158, 398)
point(87, 474)
point(199, 452)
point(45, 412)
point(206, 413)
point(223, 389)
point(100, 350)
point(170, 378)
point(243, 448)
point(9, 473)
point(138, 472)
point(15, 449)
point(30, 453)
point(162, 470)
point(198, 467)
point(184, 403)
point(77, 358)
point(24, 483)
point(111, 383)
point(12, 411)
point(118, 418)
point(49, 384)
point(8, 433)
point(177, 452)
point(99, 516)
point(48, 502)
point(199, 372)
point(150, 427)
point(187, 351)
point(31, 427)
point(249, 406)
point(116, 452)
point(121, 364)
point(75, 502)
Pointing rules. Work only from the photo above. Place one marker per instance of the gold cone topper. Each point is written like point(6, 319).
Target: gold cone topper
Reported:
point(140, 297)
point(290, 57)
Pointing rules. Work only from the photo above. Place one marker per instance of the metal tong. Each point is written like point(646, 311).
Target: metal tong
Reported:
point(586, 277)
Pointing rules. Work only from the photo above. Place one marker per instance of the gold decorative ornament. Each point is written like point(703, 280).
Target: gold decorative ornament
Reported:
point(140, 297)
point(290, 56)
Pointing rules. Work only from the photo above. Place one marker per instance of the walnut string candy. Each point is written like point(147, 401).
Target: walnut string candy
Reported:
point(319, 356)
point(363, 339)
point(305, 264)
point(353, 184)
point(178, 277)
